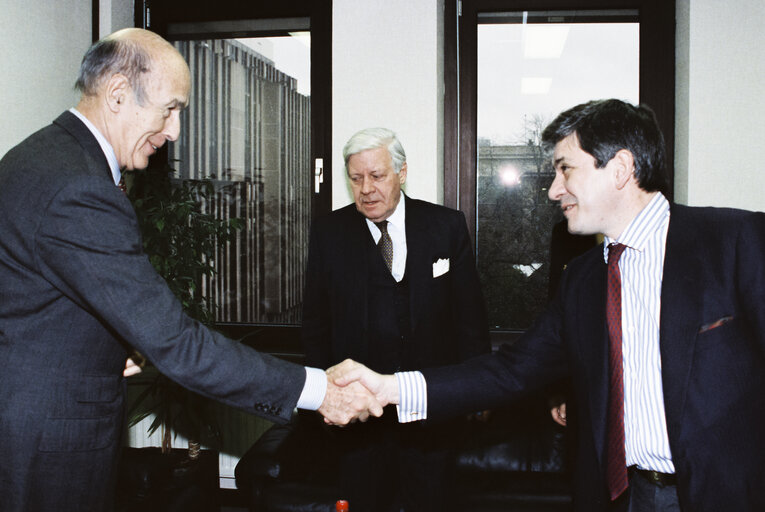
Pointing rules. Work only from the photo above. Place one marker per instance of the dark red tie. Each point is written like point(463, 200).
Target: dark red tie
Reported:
point(121, 185)
point(615, 458)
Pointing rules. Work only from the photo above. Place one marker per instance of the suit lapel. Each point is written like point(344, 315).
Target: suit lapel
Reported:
point(419, 270)
point(356, 270)
point(86, 139)
point(680, 309)
point(590, 316)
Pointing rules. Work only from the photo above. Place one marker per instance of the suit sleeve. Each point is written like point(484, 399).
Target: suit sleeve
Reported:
point(88, 247)
point(316, 331)
point(499, 378)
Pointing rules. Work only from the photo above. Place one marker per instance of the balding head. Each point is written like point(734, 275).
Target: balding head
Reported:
point(132, 52)
point(134, 85)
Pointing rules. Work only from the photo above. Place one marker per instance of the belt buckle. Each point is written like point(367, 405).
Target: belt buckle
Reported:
point(656, 478)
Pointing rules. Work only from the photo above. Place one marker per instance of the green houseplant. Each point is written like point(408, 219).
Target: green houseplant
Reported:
point(180, 240)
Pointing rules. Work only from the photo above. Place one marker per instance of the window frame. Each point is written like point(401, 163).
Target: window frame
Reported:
point(281, 340)
point(656, 82)
point(656, 85)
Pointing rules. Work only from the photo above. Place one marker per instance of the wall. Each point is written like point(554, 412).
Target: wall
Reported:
point(387, 66)
point(387, 71)
point(114, 15)
point(720, 105)
point(43, 42)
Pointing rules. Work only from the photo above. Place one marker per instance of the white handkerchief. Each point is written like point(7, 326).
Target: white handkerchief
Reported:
point(440, 267)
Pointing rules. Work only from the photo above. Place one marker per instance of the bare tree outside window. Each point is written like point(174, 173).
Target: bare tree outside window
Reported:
point(528, 72)
point(514, 225)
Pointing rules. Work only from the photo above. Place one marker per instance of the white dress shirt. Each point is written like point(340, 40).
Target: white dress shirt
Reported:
point(397, 232)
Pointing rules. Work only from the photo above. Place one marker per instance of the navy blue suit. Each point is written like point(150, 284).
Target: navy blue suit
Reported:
point(77, 294)
point(712, 344)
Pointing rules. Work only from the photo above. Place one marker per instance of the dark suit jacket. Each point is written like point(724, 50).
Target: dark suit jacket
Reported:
point(448, 313)
point(713, 373)
point(77, 292)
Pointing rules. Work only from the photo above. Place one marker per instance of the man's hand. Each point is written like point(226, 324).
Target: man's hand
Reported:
point(131, 368)
point(558, 413)
point(384, 387)
point(343, 405)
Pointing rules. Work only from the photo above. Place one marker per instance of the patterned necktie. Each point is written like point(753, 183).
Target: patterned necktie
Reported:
point(385, 244)
point(121, 185)
point(615, 459)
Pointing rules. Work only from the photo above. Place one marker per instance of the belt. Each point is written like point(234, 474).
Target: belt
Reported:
point(656, 478)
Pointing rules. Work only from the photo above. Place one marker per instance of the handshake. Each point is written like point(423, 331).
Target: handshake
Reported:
point(354, 392)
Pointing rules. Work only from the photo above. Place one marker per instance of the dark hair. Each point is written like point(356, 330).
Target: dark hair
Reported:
point(108, 57)
point(604, 127)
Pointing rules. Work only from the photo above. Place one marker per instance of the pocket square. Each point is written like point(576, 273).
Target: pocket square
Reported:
point(714, 325)
point(440, 267)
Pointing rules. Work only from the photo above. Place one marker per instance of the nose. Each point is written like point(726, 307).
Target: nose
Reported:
point(173, 126)
point(366, 185)
point(557, 189)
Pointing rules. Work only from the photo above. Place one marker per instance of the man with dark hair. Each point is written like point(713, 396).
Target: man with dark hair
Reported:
point(78, 294)
point(662, 329)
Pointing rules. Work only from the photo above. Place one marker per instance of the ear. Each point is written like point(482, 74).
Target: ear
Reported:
point(624, 168)
point(402, 174)
point(116, 90)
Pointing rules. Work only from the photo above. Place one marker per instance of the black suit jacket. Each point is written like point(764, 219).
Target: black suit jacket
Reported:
point(712, 344)
point(77, 293)
point(448, 313)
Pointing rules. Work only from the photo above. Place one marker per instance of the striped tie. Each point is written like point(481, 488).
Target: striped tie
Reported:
point(615, 458)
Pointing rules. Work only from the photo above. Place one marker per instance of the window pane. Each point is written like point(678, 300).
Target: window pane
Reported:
point(527, 74)
point(248, 129)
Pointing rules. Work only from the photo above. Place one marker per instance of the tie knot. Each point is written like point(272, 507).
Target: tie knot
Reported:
point(382, 226)
point(614, 252)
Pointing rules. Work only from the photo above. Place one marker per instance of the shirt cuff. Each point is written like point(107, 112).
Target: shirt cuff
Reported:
point(314, 389)
point(413, 397)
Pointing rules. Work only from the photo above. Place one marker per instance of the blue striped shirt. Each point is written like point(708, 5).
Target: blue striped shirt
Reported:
point(641, 266)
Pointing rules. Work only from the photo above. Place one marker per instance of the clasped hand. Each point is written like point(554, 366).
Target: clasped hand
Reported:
point(354, 392)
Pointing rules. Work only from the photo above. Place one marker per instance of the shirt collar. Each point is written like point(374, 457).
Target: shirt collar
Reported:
point(111, 157)
point(639, 231)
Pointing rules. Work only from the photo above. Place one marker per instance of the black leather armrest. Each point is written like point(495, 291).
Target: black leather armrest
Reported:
point(289, 467)
point(266, 457)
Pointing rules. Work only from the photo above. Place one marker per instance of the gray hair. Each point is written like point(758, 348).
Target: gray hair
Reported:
point(373, 138)
point(110, 56)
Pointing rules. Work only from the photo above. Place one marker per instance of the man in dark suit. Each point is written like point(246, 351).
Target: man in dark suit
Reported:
point(689, 332)
point(78, 294)
point(420, 307)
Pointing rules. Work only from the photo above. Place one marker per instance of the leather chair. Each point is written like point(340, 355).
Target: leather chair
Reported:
point(516, 461)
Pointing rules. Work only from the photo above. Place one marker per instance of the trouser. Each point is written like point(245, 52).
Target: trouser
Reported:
point(647, 495)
